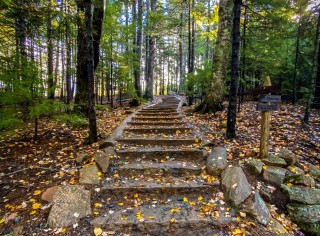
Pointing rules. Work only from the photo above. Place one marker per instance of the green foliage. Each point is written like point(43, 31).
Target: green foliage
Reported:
point(105, 108)
point(71, 119)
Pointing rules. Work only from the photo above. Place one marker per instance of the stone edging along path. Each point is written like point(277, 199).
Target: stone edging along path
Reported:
point(154, 177)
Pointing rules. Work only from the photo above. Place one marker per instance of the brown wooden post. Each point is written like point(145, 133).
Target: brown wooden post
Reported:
point(265, 127)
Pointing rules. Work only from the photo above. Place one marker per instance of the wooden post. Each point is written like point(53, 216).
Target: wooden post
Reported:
point(265, 127)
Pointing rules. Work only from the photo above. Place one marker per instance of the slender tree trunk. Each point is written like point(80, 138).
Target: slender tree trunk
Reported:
point(50, 54)
point(316, 102)
point(68, 56)
point(93, 136)
point(294, 90)
point(181, 68)
point(215, 91)
point(232, 108)
point(314, 71)
point(243, 71)
point(150, 60)
point(191, 35)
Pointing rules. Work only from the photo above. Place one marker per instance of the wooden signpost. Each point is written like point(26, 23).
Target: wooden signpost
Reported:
point(266, 104)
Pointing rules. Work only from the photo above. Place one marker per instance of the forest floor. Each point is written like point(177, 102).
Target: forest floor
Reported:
point(28, 168)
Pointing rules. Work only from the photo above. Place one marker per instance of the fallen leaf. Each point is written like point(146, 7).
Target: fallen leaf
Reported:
point(97, 231)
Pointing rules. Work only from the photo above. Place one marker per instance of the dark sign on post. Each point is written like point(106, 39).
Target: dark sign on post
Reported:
point(267, 107)
point(269, 98)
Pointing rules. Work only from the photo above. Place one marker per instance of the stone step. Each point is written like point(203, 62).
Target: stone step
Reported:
point(159, 109)
point(156, 118)
point(156, 123)
point(166, 220)
point(157, 113)
point(161, 130)
point(191, 154)
point(164, 142)
point(167, 168)
point(159, 187)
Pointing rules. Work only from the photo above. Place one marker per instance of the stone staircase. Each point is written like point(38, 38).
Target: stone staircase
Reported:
point(156, 184)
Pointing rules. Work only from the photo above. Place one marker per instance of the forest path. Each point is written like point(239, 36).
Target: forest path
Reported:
point(157, 178)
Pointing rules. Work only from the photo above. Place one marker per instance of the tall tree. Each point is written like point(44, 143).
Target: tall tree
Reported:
point(151, 52)
point(314, 70)
point(215, 91)
point(232, 108)
point(50, 52)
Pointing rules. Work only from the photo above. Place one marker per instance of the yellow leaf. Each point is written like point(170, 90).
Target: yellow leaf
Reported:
point(151, 217)
point(237, 231)
point(289, 184)
point(2, 221)
point(200, 198)
point(185, 199)
point(116, 175)
point(97, 204)
point(32, 200)
point(96, 213)
point(63, 230)
point(37, 192)
point(61, 173)
point(33, 212)
point(192, 203)
point(264, 167)
point(250, 223)
point(172, 220)
point(120, 203)
point(136, 195)
point(97, 231)
point(36, 205)
point(123, 218)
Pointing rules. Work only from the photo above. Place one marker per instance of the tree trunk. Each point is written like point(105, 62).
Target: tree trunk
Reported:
point(181, 67)
point(93, 137)
point(50, 54)
point(68, 55)
point(294, 90)
point(215, 92)
point(232, 108)
point(137, 50)
point(314, 71)
point(150, 58)
point(191, 35)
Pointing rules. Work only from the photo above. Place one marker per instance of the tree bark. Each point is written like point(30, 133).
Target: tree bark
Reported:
point(215, 92)
point(50, 55)
point(150, 58)
point(232, 108)
point(93, 136)
point(314, 71)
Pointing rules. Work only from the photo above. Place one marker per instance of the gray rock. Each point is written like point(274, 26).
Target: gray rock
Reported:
point(70, 203)
point(99, 221)
point(255, 166)
point(266, 192)
point(217, 161)
point(102, 159)
point(274, 174)
point(288, 156)
point(258, 209)
point(304, 180)
point(48, 194)
point(110, 151)
point(276, 227)
point(314, 171)
point(273, 160)
point(82, 157)
point(89, 175)
point(302, 195)
point(106, 143)
point(18, 231)
point(235, 185)
point(304, 213)
point(294, 170)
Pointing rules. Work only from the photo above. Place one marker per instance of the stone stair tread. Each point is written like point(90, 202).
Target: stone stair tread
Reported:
point(183, 128)
point(156, 123)
point(158, 141)
point(163, 165)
